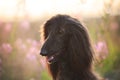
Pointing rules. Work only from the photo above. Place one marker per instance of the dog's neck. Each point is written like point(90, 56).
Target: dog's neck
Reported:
point(65, 72)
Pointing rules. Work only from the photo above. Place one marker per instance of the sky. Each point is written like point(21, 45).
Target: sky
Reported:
point(10, 9)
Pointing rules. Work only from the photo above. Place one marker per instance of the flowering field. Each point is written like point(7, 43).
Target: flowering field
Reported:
point(105, 33)
point(20, 47)
point(19, 52)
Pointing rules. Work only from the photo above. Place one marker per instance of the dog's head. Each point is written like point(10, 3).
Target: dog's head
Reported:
point(56, 37)
point(63, 33)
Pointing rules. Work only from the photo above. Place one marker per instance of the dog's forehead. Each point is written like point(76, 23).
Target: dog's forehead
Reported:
point(55, 25)
point(61, 22)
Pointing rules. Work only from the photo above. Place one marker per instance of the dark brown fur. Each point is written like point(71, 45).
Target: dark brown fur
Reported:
point(67, 39)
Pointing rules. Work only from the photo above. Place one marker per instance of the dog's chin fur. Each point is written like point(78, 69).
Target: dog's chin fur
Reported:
point(75, 62)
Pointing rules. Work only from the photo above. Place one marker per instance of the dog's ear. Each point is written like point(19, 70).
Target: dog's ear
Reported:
point(80, 50)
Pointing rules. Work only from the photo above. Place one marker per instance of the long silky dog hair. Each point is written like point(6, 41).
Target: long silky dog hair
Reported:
point(68, 49)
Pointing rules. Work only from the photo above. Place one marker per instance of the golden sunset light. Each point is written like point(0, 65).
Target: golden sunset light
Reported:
point(36, 8)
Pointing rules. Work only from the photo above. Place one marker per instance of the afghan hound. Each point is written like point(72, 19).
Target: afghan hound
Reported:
point(67, 49)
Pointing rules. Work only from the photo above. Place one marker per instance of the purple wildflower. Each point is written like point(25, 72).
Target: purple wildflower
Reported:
point(6, 48)
point(25, 24)
point(101, 49)
point(8, 27)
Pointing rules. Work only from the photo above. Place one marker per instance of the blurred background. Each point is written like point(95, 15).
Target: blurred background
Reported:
point(20, 21)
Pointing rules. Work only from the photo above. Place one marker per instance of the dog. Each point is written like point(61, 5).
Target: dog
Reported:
point(68, 49)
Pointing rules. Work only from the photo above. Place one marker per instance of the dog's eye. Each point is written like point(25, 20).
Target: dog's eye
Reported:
point(61, 31)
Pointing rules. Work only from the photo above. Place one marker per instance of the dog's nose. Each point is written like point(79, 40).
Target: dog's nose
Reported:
point(43, 52)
